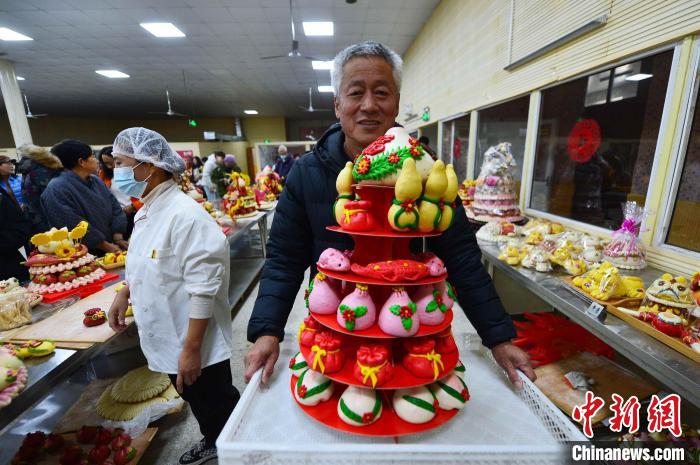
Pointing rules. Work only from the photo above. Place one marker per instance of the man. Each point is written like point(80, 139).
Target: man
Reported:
point(284, 162)
point(214, 160)
point(77, 194)
point(366, 79)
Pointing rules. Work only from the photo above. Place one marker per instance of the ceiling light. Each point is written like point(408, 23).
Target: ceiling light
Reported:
point(9, 34)
point(315, 64)
point(638, 77)
point(112, 73)
point(318, 28)
point(250, 112)
point(325, 88)
point(20, 78)
point(163, 29)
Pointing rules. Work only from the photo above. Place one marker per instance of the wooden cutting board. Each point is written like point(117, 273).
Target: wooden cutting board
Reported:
point(82, 412)
point(609, 379)
point(67, 325)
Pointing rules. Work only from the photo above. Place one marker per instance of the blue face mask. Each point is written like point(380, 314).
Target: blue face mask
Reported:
point(124, 181)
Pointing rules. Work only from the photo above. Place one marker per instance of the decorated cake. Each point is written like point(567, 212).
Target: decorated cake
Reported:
point(13, 376)
point(669, 294)
point(466, 191)
point(239, 200)
point(267, 185)
point(61, 262)
point(625, 250)
point(495, 197)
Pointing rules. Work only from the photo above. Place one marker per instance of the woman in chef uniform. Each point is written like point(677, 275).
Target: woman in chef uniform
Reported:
point(177, 273)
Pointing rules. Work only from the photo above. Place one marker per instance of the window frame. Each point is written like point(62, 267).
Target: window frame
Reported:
point(678, 155)
point(663, 129)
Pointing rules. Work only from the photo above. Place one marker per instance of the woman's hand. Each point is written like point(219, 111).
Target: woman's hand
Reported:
point(189, 367)
point(117, 312)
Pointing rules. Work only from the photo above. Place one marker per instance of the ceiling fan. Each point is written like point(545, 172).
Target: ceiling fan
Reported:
point(170, 111)
point(294, 52)
point(311, 108)
point(29, 111)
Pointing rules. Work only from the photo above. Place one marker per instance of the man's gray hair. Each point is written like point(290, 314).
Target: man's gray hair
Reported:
point(366, 49)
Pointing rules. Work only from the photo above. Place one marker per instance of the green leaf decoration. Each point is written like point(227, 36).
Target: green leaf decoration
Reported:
point(395, 309)
point(343, 307)
point(431, 307)
point(350, 325)
point(308, 292)
point(407, 323)
point(381, 167)
point(360, 311)
point(450, 291)
point(413, 307)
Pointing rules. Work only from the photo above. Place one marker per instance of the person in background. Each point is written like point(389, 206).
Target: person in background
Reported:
point(366, 79)
point(220, 177)
point(38, 167)
point(216, 159)
point(197, 167)
point(15, 231)
point(424, 141)
point(284, 162)
point(130, 205)
point(177, 275)
point(77, 194)
point(9, 180)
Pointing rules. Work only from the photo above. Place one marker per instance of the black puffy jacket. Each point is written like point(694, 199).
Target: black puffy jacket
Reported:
point(299, 235)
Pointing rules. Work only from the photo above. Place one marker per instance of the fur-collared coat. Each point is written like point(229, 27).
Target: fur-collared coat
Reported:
point(38, 166)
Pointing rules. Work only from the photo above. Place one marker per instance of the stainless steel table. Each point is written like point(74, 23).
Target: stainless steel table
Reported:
point(680, 374)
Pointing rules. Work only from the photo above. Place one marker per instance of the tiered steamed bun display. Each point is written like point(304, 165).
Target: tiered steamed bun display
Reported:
point(495, 197)
point(377, 353)
point(239, 201)
point(267, 185)
point(61, 262)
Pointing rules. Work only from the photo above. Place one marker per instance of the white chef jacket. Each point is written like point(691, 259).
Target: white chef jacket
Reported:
point(209, 166)
point(177, 268)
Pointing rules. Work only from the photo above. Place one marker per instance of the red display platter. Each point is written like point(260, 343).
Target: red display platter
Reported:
point(356, 278)
point(402, 378)
point(331, 322)
point(382, 233)
point(388, 425)
point(83, 291)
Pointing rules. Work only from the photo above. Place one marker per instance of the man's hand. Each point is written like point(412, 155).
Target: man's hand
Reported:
point(123, 244)
point(117, 312)
point(129, 209)
point(512, 358)
point(108, 247)
point(264, 353)
point(189, 368)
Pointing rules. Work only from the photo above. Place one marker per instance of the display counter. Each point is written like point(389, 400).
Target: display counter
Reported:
point(670, 368)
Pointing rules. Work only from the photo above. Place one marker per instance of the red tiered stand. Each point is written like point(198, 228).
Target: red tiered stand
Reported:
point(373, 246)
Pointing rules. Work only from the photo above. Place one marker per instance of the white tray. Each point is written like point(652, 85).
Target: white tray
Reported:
point(498, 425)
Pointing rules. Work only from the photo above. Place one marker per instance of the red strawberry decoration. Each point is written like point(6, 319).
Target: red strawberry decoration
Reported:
point(34, 440)
point(124, 455)
point(98, 454)
point(86, 434)
point(54, 443)
point(104, 436)
point(71, 455)
point(120, 440)
point(95, 317)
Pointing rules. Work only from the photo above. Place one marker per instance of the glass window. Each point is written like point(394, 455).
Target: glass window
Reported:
point(506, 122)
point(685, 221)
point(596, 141)
point(455, 143)
point(429, 137)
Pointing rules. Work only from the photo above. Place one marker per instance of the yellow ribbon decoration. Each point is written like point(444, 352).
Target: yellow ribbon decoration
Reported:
point(370, 372)
point(302, 327)
point(434, 357)
point(318, 356)
point(361, 287)
point(349, 213)
point(320, 276)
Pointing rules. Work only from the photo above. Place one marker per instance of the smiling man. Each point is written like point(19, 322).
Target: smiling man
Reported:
point(366, 80)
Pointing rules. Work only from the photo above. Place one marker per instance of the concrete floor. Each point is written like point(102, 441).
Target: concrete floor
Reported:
point(178, 432)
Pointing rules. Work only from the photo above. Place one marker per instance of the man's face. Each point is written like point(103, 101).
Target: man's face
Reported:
point(368, 100)
point(89, 164)
point(7, 168)
point(219, 160)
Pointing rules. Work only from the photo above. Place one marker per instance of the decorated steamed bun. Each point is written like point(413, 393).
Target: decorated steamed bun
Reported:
point(359, 406)
point(451, 392)
point(415, 405)
point(312, 388)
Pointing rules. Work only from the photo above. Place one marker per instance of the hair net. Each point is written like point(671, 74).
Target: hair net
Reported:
point(148, 146)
